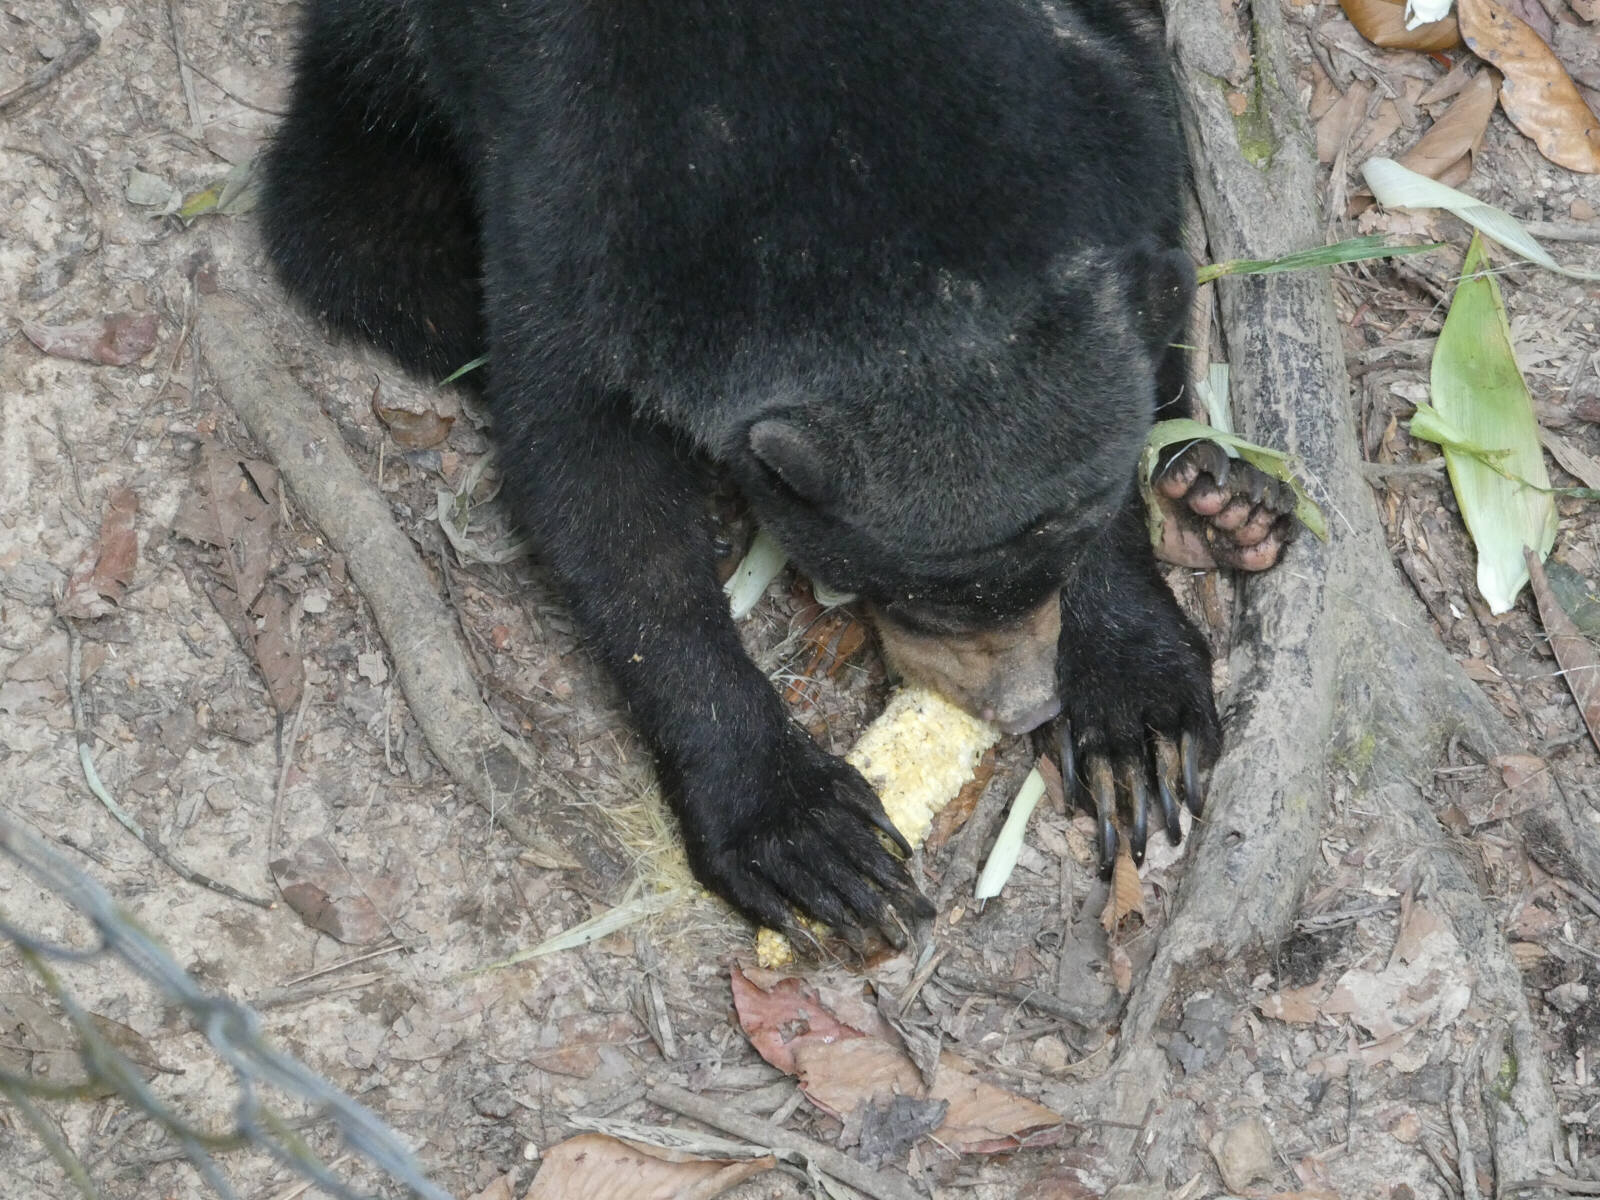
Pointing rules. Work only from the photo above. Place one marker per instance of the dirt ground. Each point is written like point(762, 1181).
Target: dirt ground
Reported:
point(278, 734)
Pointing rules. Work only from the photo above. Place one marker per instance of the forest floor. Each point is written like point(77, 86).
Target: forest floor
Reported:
point(275, 732)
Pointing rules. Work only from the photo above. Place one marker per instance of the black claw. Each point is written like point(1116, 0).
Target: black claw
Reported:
point(1067, 755)
point(1139, 800)
point(1194, 796)
point(883, 825)
point(1165, 768)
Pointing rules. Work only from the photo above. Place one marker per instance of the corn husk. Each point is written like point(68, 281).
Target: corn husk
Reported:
point(1482, 415)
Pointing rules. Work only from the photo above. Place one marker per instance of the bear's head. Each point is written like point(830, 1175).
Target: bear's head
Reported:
point(955, 473)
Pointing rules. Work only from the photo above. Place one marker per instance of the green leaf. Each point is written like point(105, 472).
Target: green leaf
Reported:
point(1350, 250)
point(1482, 415)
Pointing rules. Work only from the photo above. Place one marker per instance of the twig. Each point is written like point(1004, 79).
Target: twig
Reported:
point(1560, 1183)
point(80, 726)
point(185, 76)
point(275, 826)
point(1043, 1001)
point(80, 48)
point(1466, 1164)
point(1586, 897)
point(787, 1144)
point(1564, 231)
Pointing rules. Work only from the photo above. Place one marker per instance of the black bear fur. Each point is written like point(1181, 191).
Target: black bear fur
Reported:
point(908, 272)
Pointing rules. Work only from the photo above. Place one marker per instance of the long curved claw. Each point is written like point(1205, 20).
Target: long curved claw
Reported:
point(1165, 769)
point(880, 821)
point(1193, 794)
point(1067, 755)
point(1103, 790)
point(1139, 803)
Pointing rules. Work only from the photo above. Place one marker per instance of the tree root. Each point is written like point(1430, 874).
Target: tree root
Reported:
point(1336, 673)
point(503, 775)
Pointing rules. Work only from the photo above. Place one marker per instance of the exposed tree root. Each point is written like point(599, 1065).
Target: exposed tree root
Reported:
point(1337, 677)
point(502, 774)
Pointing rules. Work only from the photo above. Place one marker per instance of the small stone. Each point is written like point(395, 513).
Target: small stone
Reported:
point(495, 1104)
point(1050, 1053)
point(1243, 1152)
point(1582, 210)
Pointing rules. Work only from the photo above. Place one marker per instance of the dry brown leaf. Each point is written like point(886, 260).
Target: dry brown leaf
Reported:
point(593, 1164)
point(1458, 131)
point(1538, 94)
point(1127, 890)
point(1580, 664)
point(277, 648)
point(953, 816)
point(834, 639)
point(1417, 925)
point(572, 1045)
point(1293, 1006)
point(1338, 124)
point(412, 430)
point(1527, 779)
point(114, 340)
point(107, 567)
point(1585, 468)
point(841, 1069)
point(341, 900)
point(1385, 121)
point(1384, 24)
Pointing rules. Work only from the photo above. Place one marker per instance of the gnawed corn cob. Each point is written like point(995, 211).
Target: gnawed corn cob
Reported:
point(917, 755)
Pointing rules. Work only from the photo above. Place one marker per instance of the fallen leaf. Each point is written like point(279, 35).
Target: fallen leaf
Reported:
point(354, 906)
point(1458, 131)
point(1575, 593)
point(594, 1164)
point(1126, 896)
point(1338, 125)
point(107, 567)
point(1538, 94)
point(571, 1046)
point(413, 430)
point(1417, 925)
point(112, 341)
point(953, 816)
point(234, 508)
point(841, 1068)
point(1585, 468)
point(277, 650)
point(1580, 664)
point(1384, 24)
point(834, 638)
point(1294, 1006)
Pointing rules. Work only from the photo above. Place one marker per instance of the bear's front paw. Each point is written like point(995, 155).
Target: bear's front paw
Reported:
point(794, 828)
point(1138, 717)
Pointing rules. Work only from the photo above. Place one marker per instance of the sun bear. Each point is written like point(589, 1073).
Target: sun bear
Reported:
point(910, 274)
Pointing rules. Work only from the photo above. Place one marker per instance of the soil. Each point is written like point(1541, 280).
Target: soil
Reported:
point(275, 734)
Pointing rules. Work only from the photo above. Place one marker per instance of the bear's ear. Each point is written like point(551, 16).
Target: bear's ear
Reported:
point(795, 456)
point(1163, 286)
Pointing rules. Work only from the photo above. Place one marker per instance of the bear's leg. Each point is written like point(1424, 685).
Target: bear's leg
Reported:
point(1138, 715)
point(1219, 511)
point(771, 821)
point(368, 215)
